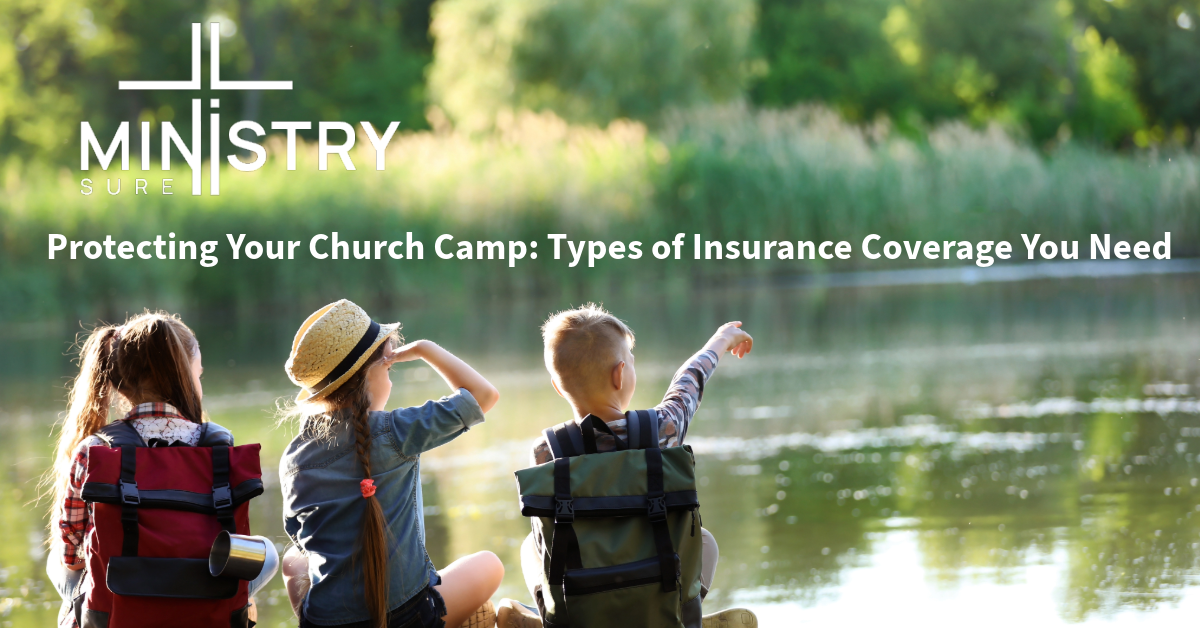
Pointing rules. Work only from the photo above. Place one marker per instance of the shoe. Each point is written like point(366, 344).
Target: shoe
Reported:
point(513, 614)
point(730, 618)
point(484, 617)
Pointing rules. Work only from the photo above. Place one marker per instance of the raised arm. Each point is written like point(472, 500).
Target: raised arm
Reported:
point(458, 374)
point(687, 387)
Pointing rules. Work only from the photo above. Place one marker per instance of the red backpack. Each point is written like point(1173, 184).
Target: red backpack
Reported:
point(157, 511)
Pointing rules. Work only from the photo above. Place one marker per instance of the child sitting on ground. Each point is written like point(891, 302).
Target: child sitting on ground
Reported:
point(351, 482)
point(149, 368)
point(589, 354)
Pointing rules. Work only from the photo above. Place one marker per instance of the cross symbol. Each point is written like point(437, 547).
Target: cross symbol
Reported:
point(214, 70)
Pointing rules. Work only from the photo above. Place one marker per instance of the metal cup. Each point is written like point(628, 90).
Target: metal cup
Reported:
point(237, 556)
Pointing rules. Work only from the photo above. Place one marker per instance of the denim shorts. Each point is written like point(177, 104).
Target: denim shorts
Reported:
point(424, 610)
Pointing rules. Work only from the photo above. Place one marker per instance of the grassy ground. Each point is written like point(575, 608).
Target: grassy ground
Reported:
point(727, 173)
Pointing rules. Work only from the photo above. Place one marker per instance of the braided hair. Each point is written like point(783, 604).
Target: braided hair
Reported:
point(351, 404)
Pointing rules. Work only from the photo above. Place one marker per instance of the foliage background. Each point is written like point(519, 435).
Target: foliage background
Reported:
point(629, 119)
point(1116, 73)
point(636, 120)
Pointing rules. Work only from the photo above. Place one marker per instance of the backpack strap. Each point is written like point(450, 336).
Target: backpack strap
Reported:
point(642, 429)
point(222, 494)
point(565, 439)
point(130, 500)
point(575, 436)
point(592, 424)
point(656, 511)
point(564, 551)
point(556, 450)
point(213, 435)
point(120, 434)
point(649, 429)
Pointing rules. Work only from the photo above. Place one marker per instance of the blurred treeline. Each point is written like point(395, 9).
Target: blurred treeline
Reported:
point(604, 119)
point(1115, 73)
point(724, 172)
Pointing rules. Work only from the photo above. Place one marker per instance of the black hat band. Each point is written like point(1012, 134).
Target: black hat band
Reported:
point(351, 358)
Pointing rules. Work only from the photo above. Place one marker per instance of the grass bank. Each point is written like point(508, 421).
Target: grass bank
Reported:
point(727, 173)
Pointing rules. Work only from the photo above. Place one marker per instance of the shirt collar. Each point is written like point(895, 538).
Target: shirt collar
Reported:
point(154, 410)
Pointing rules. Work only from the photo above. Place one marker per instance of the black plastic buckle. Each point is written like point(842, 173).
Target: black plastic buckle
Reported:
point(656, 508)
point(564, 510)
point(222, 497)
point(129, 494)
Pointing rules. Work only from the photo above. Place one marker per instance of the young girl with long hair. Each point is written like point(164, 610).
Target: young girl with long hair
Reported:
point(149, 370)
point(352, 487)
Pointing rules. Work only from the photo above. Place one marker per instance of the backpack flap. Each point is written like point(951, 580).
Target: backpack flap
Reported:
point(611, 484)
point(176, 478)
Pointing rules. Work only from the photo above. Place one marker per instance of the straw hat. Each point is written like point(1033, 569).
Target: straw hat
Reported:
point(332, 344)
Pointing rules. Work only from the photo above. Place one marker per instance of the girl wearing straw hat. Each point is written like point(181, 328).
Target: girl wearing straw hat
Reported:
point(351, 481)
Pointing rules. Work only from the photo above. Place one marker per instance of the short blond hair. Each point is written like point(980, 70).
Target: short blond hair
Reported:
point(583, 345)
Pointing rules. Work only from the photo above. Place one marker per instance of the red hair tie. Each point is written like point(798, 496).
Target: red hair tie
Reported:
point(368, 488)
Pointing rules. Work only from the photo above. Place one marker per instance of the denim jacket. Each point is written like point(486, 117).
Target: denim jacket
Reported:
point(323, 504)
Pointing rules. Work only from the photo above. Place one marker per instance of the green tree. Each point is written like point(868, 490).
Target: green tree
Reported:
point(833, 52)
point(587, 60)
point(1030, 63)
point(1162, 38)
point(987, 59)
point(348, 60)
point(48, 51)
point(1108, 110)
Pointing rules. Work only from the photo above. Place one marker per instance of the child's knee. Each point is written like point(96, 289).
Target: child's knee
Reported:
point(709, 553)
point(294, 563)
point(531, 560)
point(490, 566)
point(709, 542)
point(531, 563)
point(294, 566)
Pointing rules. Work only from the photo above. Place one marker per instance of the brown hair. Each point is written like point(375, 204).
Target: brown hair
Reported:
point(149, 358)
point(351, 403)
point(583, 344)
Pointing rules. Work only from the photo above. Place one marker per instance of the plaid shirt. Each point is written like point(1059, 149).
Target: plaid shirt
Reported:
point(675, 412)
point(154, 422)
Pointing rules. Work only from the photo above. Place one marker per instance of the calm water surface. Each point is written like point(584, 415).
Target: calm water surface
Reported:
point(1019, 453)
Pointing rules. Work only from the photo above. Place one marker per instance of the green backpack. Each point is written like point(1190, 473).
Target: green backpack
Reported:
point(617, 531)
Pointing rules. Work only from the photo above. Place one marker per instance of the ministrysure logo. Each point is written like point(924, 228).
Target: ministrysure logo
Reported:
point(191, 152)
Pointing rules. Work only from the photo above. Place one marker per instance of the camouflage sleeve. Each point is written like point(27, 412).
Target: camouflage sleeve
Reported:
point(683, 398)
point(541, 452)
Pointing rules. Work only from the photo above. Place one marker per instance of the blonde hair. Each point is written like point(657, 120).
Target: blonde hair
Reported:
point(351, 404)
point(149, 358)
point(582, 346)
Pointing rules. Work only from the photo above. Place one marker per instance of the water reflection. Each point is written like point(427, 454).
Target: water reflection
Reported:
point(1026, 451)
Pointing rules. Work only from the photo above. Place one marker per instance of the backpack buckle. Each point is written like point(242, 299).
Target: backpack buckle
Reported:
point(564, 510)
point(656, 508)
point(129, 494)
point(222, 497)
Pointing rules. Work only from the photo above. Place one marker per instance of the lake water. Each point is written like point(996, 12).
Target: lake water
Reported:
point(1005, 454)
